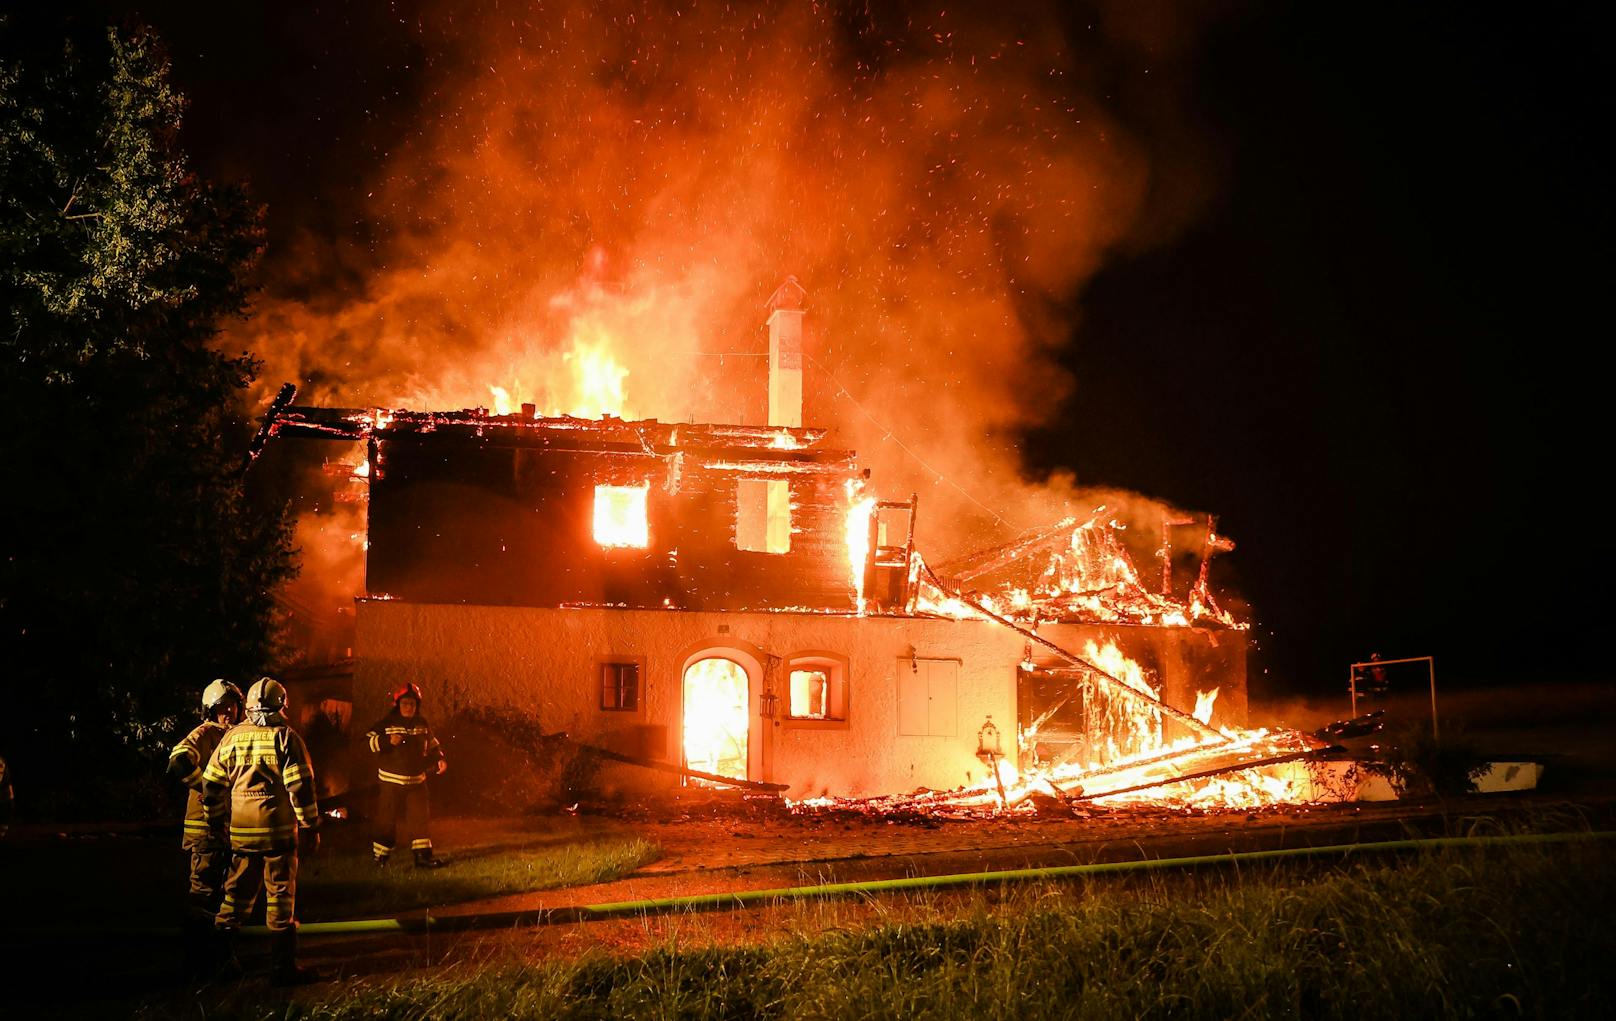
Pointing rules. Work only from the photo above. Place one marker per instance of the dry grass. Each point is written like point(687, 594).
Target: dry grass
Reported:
point(349, 885)
point(1455, 933)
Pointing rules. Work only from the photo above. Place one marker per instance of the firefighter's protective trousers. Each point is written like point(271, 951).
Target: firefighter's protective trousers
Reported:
point(401, 809)
point(210, 850)
point(276, 872)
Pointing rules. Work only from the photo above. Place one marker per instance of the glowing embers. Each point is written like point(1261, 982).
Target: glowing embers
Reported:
point(621, 517)
point(717, 715)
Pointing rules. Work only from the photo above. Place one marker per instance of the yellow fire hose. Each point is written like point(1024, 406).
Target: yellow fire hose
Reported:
point(733, 899)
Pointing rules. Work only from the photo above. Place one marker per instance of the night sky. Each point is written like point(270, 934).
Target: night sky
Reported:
point(1382, 339)
point(1371, 342)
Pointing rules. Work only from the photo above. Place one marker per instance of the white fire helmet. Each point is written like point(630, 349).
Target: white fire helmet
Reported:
point(217, 693)
point(267, 695)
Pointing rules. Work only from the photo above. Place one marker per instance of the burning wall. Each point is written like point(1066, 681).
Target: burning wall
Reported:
point(521, 510)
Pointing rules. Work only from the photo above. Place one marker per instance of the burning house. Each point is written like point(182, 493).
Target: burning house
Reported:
point(733, 603)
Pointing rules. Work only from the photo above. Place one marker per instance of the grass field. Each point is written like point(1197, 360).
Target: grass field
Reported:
point(348, 884)
point(1517, 931)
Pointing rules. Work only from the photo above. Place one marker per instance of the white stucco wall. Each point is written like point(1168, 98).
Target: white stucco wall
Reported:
point(542, 660)
point(545, 661)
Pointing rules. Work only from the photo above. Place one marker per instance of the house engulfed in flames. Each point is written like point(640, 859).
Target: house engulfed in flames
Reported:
point(730, 601)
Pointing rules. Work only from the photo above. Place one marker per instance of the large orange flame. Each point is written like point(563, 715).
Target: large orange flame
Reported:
point(859, 510)
point(621, 518)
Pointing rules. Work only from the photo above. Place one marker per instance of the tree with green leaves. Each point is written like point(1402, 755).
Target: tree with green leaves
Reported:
point(134, 566)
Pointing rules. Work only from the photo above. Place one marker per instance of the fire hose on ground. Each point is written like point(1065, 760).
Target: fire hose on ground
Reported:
point(739, 899)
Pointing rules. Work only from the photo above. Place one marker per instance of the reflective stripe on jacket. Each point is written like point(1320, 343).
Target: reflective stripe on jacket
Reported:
point(261, 775)
point(185, 763)
point(409, 761)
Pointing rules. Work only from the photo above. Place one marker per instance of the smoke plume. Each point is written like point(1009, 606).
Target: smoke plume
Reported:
point(604, 194)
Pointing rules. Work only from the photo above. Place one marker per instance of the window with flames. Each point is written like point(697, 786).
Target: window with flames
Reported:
point(621, 518)
point(817, 690)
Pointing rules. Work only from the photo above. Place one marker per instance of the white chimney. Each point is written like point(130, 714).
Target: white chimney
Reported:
point(785, 354)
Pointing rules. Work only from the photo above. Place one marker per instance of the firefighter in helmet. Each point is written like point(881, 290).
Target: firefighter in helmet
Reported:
point(405, 753)
point(261, 777)
point(210, 851)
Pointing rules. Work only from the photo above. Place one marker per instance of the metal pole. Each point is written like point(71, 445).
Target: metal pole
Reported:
point(1430, 661)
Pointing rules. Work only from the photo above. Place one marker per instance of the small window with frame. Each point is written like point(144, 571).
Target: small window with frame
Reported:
point(816, 690)
point(619, 686)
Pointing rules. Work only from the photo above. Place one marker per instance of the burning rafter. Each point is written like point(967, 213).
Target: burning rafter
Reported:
point(1081, 572)
point(1034, 540)
point(286, 419)
point(1183, 767)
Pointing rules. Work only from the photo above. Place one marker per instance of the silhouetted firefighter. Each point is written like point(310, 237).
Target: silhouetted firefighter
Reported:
point(210, 851)
point(405, 753)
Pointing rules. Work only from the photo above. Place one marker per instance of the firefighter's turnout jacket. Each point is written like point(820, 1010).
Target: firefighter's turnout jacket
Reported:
point(185, 764)
point(408, 762)
point(261, 776)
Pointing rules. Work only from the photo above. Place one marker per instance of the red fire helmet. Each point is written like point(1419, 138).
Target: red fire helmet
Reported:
point(407, 691)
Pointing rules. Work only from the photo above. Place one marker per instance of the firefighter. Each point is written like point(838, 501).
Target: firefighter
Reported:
point(405, 753)
point(210, 852)
point(260, 775)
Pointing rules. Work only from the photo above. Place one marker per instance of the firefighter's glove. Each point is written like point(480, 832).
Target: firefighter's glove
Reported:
point(395, 739)
point(308, 840)
point(443, 766)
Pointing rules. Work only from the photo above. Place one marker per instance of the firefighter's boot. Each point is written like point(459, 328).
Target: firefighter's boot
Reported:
point(224, 963)
point(425, 859)
point(284, 969)
point(196, 942)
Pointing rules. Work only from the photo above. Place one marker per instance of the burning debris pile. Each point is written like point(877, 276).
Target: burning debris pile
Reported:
point(1129, 760)
point(1106, 738)
point(1125, 754)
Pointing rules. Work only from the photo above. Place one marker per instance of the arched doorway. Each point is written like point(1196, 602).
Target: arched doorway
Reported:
point(717, 716)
